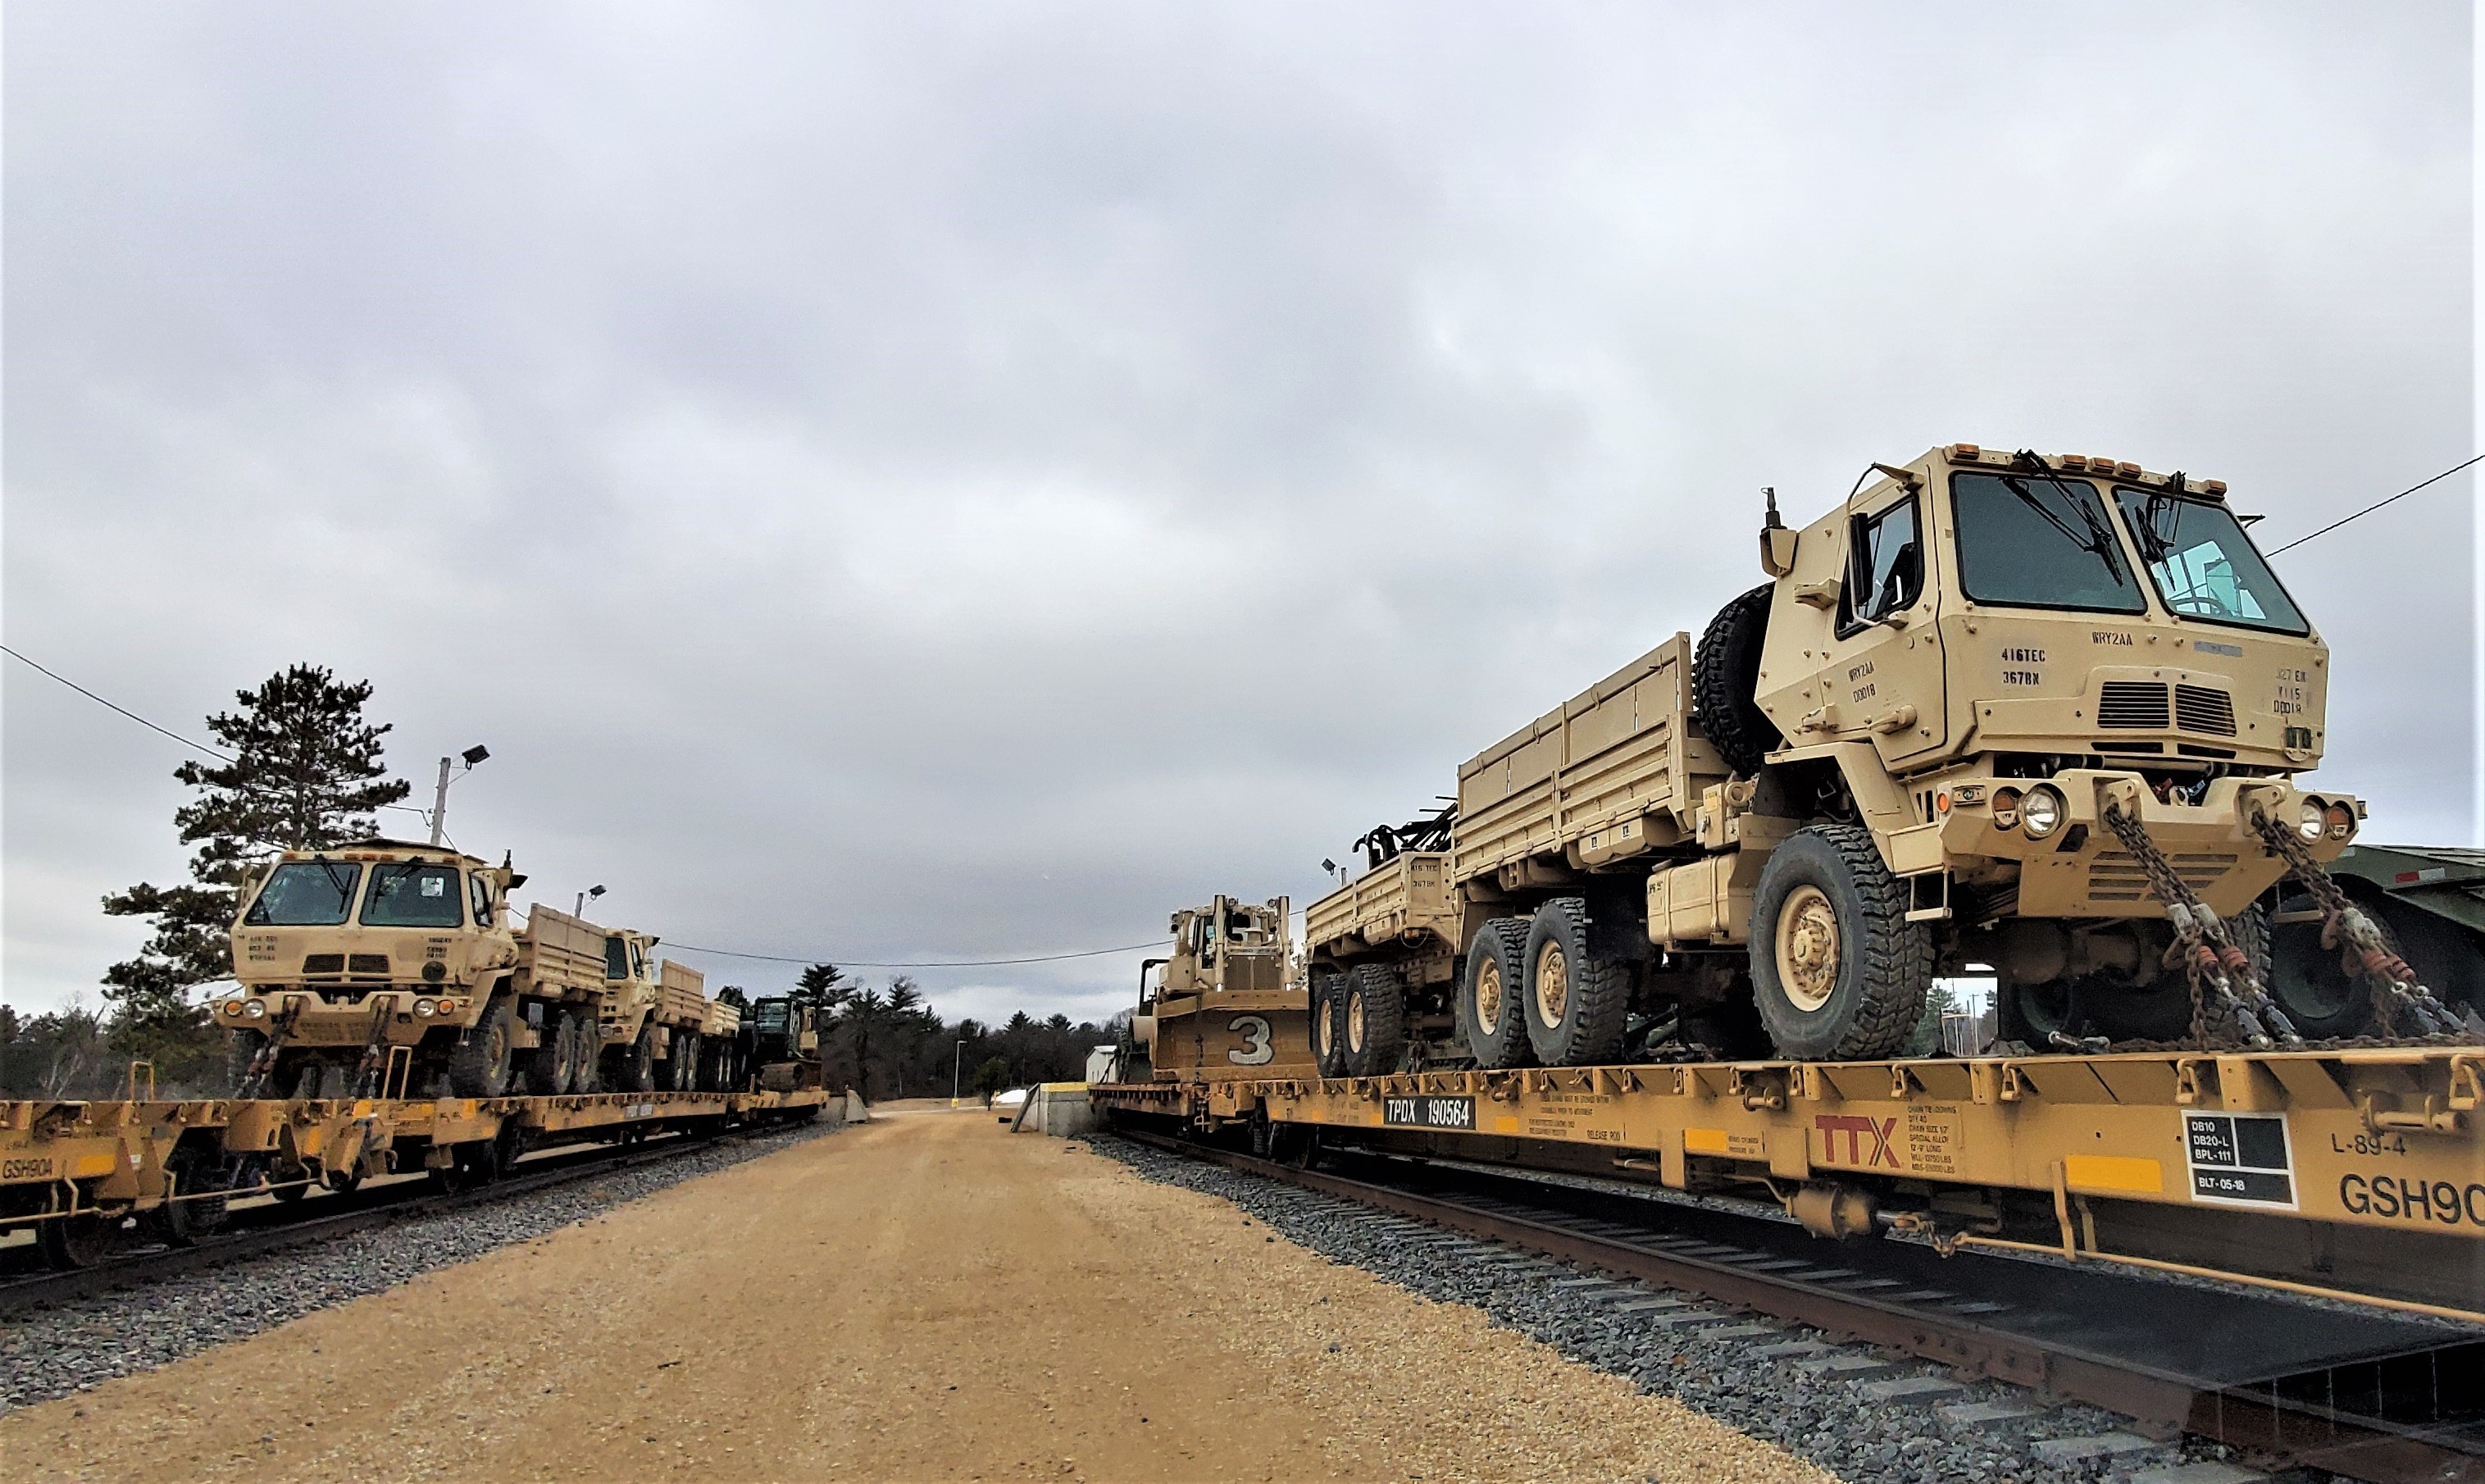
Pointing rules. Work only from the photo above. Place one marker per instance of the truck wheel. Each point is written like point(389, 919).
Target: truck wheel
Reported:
point(1489, 1014)
point(638, 1072)
point(2318, 995)
point(685, 1062)
point(2031, 1013)
point(1328, 1041)
point(480, 1066)
point(550, 1067)
point(1376, 1020)
point(580, 1029)
point(1724, 676)
point(1838, 971)
point(241, 1050)
point(1577, 999)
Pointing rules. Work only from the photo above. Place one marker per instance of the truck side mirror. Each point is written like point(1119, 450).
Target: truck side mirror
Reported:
point(1777, 551)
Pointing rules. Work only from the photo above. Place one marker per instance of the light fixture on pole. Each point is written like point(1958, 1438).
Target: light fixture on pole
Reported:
point(584, 898)
point(440, 796)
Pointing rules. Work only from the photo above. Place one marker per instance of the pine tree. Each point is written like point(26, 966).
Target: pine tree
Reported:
point(305, 774)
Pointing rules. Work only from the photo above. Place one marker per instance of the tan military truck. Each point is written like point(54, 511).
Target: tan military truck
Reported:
point(655, 1016)
point(384, 966)
point(1993, 710)
point(1224, 1003)
point(387, 967)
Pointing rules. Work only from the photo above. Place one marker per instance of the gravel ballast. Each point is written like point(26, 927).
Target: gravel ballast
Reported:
point(1808, 1393)
point(70, 1346)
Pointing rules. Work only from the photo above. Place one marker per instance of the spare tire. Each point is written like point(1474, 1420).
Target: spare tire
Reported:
point(1726, 678)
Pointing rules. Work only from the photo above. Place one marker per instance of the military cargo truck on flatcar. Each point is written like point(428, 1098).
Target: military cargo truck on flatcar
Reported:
point(385, 968)
point(1982, 706)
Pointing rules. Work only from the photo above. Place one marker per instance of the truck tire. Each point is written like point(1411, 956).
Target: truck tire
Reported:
point(1838, 971)
point(1726, 676)
point(577, 1028)
point(480, 1066)
point(1490, 1016)
point(637, 1072)
point(241, 1050)
point(1375, 1020)
point(552, 1066)
point(1328, 1020)
point(1578, 999)
point(683, 1065)
point(2308, 981)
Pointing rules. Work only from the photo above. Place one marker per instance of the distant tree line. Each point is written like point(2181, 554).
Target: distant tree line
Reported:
point(886, 1042)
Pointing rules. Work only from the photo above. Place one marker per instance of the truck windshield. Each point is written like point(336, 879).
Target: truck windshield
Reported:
point(2203, 564)
point(413, 896)
point(306, 893)
point(2039, 541)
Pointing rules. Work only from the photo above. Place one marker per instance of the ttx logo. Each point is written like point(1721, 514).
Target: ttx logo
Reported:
point(1857, 1128)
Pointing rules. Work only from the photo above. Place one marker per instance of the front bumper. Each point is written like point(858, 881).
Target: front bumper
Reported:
point(2080, 869)
point(296, 1015)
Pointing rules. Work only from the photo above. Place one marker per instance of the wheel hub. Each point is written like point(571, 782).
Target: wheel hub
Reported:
point(1552, 985)
point(1488, 996)
point(1354, 1027)
point(1808, 947)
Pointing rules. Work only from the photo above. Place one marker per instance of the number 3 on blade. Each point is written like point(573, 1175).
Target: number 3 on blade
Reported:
point(1256, 1050)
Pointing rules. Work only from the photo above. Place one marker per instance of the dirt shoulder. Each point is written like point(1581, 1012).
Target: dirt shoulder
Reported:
point(922, 1298)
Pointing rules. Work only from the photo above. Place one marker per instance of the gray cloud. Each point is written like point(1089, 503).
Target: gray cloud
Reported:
point(912, 485)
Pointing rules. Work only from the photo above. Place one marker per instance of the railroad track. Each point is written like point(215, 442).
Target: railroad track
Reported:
point(278, 1225)
point(2371, 1394)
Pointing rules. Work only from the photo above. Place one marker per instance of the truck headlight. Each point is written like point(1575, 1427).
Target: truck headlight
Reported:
point(423, 1008)
point(2005, 809)
point(2315, 818)
point(257, 1009)
point(2342, 821)
point(2040, 812)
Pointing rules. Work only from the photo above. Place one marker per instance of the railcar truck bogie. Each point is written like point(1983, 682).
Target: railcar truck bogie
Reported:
point(2032, 716)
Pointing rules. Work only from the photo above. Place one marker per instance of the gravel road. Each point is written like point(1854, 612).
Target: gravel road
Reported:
point(1721, 1374)
point(924, 1297)
point(56, 1351)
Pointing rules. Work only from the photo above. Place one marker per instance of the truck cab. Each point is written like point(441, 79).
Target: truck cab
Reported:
point(374, 944)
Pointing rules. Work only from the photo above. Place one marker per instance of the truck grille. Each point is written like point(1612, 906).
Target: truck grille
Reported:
point(2115, 877)
point(2138, 704)
point(2198, 708)
point(368, 963)
point(323, 963)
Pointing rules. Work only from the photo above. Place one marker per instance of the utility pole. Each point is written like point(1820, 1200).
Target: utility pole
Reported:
point(956, 1062)
point(440, 804)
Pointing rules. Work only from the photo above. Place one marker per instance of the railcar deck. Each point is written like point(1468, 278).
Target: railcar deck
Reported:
point(2360, 1169)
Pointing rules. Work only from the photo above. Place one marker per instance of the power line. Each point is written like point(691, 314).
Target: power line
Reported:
point(196, 746)
point(960, 963)
point(2377, 505)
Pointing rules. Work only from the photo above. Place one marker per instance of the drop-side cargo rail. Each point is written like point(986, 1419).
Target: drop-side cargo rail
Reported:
point(2356, 1169)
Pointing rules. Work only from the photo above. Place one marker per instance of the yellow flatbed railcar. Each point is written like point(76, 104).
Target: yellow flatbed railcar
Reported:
point(2360, 1170)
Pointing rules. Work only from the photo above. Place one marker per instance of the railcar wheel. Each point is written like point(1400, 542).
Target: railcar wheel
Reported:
point(1838, 971)
point(1578, 999)
point(1376, 1020)
point(74, 1242)
point(480, 1066)
point(1490, 1017)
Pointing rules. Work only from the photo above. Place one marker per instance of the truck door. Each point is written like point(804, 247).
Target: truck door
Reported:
point(1883, 667)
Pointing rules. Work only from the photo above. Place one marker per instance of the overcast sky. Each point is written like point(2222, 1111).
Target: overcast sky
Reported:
point(908, 483)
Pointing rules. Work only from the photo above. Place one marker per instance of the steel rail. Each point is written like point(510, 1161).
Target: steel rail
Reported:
point(305, 1221)
point(2283, 1431)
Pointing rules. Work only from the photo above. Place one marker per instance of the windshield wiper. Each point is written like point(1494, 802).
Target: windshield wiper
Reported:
point(2099, 541)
